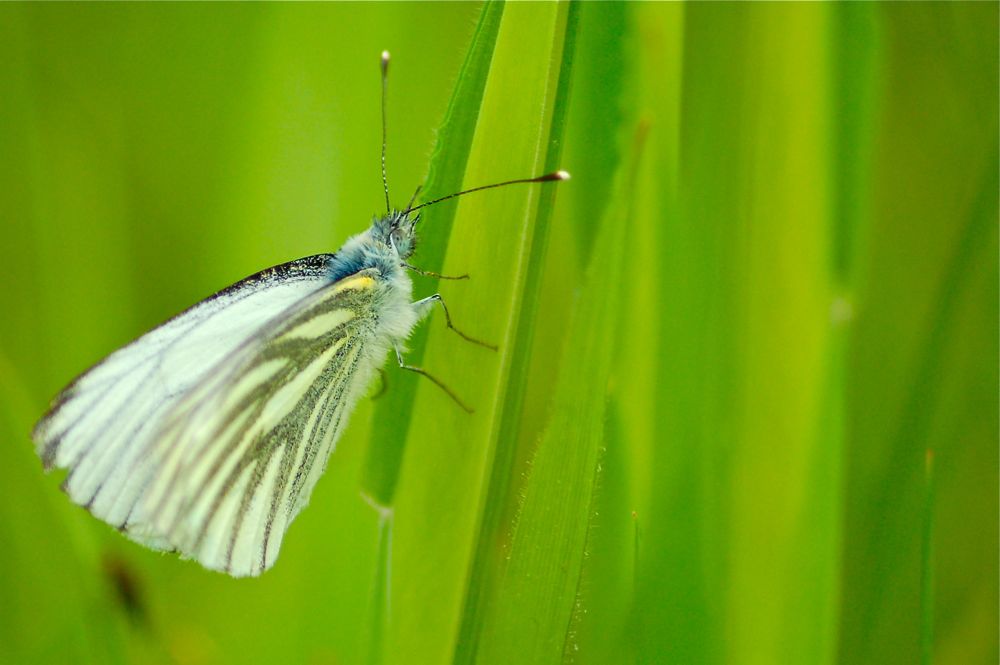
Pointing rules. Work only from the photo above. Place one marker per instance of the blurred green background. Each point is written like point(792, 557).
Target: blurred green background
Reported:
point(763, 312)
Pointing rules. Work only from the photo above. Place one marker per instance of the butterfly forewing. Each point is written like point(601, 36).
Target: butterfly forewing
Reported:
point(207, 434)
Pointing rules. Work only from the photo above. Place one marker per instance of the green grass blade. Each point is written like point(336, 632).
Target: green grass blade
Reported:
point(746, 354)
point(443, 487)
point(513, 428)
point(531, 614)
point(391, 418)
point(605, 107)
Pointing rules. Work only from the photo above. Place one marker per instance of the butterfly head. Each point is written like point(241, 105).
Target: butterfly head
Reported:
point(397, 230)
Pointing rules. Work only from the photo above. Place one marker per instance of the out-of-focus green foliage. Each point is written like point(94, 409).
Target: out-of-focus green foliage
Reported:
point(728, 353)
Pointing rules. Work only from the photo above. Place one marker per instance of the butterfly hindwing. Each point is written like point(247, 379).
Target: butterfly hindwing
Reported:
point(239, 456)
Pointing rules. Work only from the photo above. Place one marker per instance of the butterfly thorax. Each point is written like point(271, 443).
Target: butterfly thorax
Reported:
point(385, 246)
point(380, 252)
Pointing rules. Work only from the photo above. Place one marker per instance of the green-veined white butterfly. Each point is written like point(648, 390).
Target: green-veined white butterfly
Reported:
point(206, 435)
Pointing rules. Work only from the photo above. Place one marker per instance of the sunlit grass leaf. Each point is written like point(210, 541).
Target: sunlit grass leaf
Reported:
point(515, 434)
point(443, 491)
point(530, 618)
point(391, 419)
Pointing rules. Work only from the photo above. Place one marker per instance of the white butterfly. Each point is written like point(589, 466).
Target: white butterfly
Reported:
point(206, 435)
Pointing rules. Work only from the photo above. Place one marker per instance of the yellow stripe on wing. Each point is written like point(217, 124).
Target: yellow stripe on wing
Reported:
point(358, 281)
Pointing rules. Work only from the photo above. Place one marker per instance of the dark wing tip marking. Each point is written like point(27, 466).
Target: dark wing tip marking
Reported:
point(47, 445)
point(48, 453)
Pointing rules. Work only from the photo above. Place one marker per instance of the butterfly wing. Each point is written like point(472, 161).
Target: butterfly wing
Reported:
point(150, 403)
point(237, 458)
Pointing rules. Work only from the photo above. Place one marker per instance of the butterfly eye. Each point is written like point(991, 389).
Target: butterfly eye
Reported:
point(396, 238)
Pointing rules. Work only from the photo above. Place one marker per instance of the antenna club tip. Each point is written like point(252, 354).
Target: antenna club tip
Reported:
point(562, 175)
point(385, 59)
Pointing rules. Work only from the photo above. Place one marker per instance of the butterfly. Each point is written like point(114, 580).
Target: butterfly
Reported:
point(206, 435)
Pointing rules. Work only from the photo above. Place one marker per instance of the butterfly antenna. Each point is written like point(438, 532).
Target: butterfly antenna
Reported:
point(385, 78)
point(548, 177)
point(414, 197)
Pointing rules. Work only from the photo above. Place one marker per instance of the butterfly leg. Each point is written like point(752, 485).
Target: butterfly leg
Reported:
point(428, 273)
point(423, 307)
point(434, 380)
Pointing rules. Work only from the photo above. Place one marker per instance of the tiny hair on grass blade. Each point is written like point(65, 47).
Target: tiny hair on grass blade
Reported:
point(206, 435)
